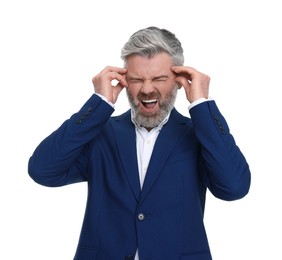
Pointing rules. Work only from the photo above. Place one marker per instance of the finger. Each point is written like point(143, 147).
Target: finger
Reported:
point(183, 72)
point(183, 69)
point(115, 69)
point(120, 78)
point(182, 82)
point(116, 91)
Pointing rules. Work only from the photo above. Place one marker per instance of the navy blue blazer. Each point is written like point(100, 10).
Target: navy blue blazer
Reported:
point(164, 220)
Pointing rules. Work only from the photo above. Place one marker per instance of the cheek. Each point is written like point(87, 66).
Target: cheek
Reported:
point(132, 94)
point(165, 91)
point(135, 88)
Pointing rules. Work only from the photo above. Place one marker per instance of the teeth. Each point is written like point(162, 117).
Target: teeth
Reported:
point(149, 101)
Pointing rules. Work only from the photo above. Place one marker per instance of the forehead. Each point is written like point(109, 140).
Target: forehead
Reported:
point(139, 66)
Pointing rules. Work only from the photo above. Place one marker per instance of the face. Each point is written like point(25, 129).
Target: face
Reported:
point(151, 88)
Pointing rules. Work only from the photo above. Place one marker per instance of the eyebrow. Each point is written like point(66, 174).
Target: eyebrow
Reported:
point(160, 77)
point(154, 78)
point(132, 77)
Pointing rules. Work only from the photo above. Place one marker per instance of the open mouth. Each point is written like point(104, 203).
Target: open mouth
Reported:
point(149, 104)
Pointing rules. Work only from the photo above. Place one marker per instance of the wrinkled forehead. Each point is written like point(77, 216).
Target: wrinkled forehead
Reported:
point(149, 67)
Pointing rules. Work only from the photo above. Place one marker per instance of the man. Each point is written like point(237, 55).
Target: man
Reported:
point(147, 169)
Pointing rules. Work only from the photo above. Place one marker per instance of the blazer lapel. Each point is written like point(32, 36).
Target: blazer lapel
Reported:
point(124, 132)
point(164, 145)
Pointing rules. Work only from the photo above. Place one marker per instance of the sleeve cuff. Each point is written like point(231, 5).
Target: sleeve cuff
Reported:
point(106, 100)
point(199, 101)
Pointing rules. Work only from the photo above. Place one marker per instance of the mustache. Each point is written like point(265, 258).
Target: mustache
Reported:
point(142, 96)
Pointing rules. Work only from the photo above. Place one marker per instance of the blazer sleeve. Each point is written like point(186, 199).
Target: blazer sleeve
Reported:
point(225, 170)
point(62, 157)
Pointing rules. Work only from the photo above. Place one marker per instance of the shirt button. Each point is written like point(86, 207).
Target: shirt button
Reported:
point(148, 142)
point(141, 216)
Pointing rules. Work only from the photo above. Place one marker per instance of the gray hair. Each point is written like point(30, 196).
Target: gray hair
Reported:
point(151, 41)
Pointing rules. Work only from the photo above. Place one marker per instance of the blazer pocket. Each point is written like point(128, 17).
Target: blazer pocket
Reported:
point(204, 255)
point(84, 253)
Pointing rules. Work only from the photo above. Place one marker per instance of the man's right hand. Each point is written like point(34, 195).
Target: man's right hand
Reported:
point(103, 82)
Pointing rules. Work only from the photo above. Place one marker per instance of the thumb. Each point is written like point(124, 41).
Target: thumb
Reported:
point(116, 91)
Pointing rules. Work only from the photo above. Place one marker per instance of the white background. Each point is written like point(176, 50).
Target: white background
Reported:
point(49, 52)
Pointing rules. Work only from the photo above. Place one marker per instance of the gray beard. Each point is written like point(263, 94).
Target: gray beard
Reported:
point(151, 121)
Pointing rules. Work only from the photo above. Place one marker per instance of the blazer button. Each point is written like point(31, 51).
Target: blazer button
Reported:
point(141, 216)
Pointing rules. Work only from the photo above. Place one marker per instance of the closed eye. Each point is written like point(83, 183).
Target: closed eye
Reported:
point(160, 78)
point(135, 80)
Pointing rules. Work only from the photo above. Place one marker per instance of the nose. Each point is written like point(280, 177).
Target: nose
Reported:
point(147, 87)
